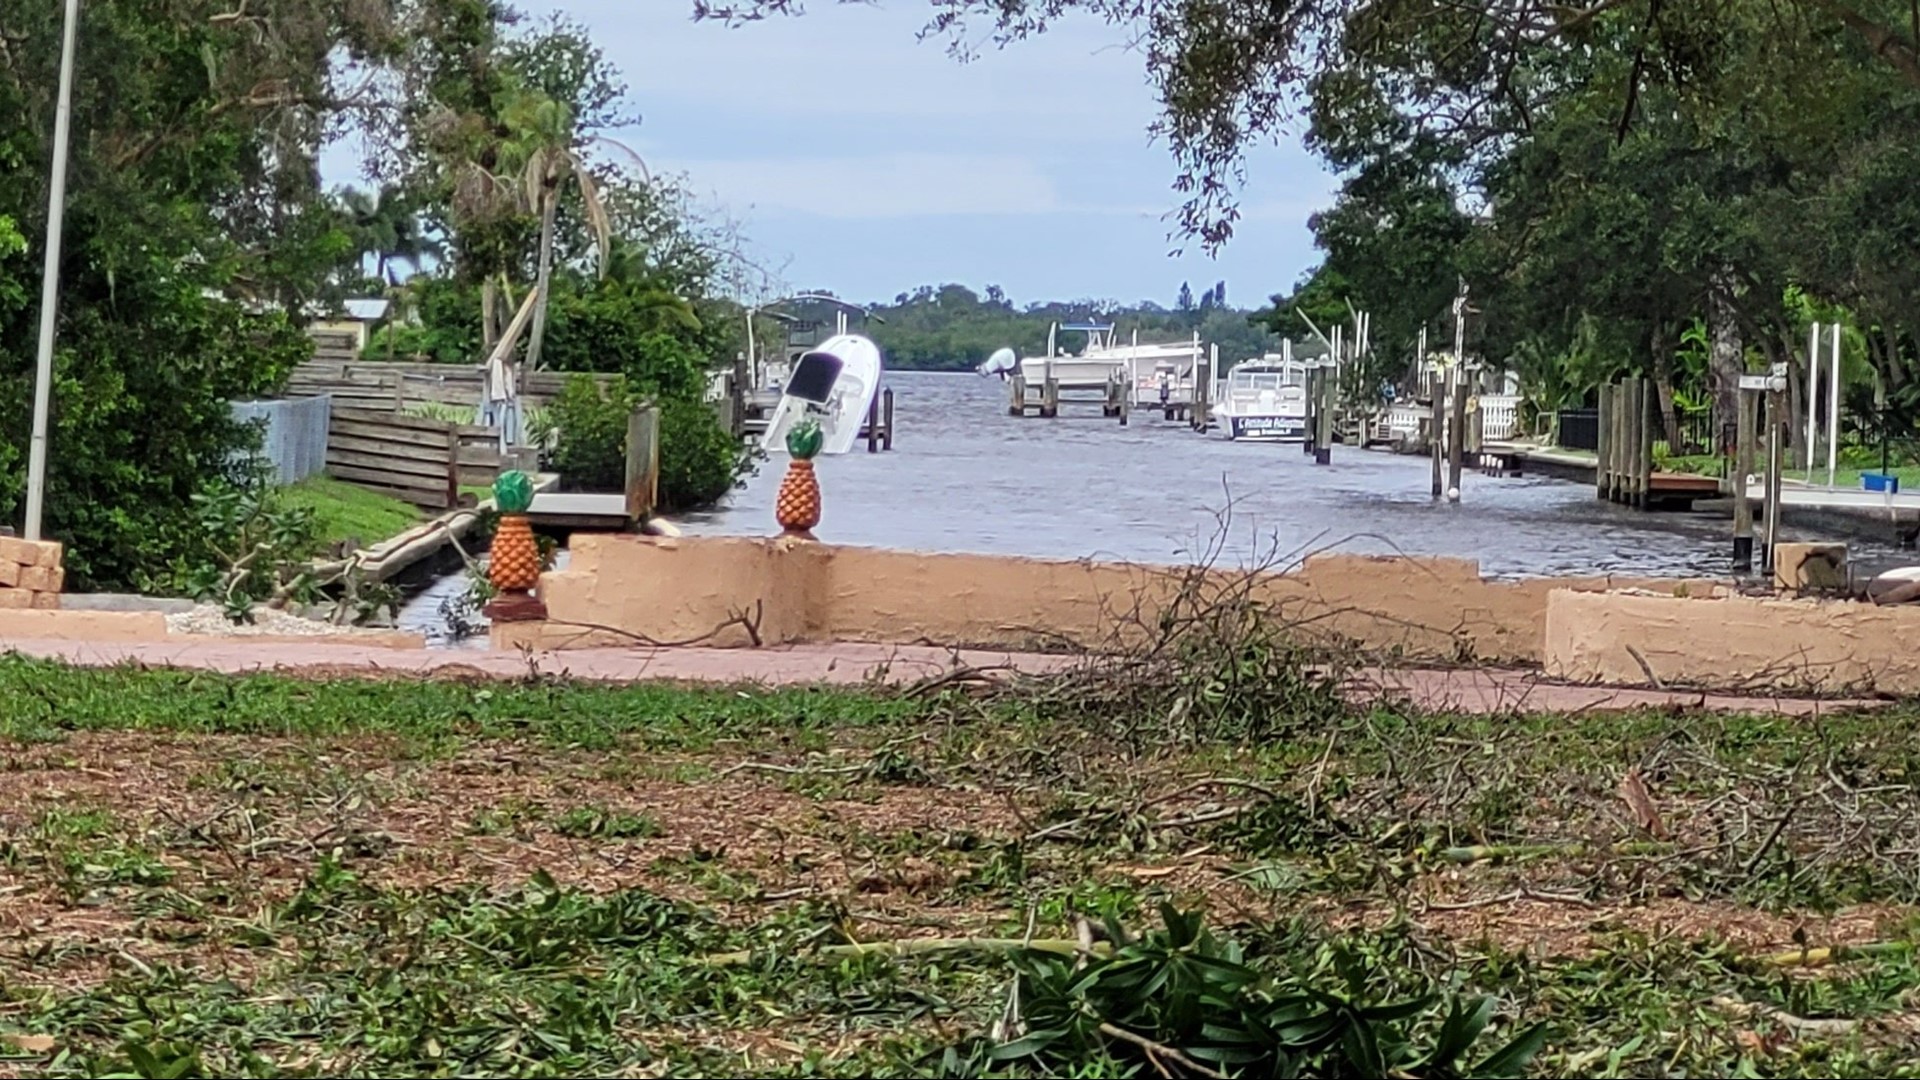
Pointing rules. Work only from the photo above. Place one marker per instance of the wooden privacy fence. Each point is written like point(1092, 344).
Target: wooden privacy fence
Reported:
point(375, 384)
point(426, 462)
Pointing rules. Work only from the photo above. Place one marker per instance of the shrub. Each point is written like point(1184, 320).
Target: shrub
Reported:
point(586, 429)
point(586, 433)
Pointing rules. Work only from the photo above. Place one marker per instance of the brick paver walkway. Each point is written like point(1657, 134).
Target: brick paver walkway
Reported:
point(1465, 690)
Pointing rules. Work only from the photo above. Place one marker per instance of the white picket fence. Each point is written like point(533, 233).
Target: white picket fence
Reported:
point(1499, 417)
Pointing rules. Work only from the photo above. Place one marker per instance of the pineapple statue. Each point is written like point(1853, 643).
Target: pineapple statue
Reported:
point(798, 508)
point(514, 568)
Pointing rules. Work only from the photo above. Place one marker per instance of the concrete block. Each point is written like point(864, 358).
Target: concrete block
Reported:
point(15, 599)
point(95, 626)
point(42, 578)
point(9, 574)
point(46, 601)
point(1816, 567)
point(29, 552)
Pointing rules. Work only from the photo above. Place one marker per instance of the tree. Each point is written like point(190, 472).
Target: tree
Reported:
point(1185, 301)
point(1231, 73)
point(195, 224)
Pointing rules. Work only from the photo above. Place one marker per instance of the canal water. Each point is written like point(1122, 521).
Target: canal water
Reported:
point(964, 476)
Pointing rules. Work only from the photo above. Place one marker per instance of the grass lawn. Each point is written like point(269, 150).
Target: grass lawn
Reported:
point(267, 877)
point(343, 511)
point(1850, 478)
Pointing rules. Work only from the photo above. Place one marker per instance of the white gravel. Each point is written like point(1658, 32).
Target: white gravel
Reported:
point(211, 620)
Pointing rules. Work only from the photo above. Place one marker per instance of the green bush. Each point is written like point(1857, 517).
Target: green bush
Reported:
point(699, 459)
point(585, 431)
point(585, 428)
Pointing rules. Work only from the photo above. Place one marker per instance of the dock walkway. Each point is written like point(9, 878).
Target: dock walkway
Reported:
point(1666, 489)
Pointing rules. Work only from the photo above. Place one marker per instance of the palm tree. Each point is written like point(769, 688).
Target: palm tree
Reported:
point(551, 144)
point(387, 226)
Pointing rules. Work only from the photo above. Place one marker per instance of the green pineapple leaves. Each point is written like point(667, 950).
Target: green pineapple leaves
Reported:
point(513, 492)
point(804, 439)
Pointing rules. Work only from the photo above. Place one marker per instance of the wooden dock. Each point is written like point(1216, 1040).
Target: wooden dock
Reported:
point(617, 511)
point(1665, 490)
point(1047, 397)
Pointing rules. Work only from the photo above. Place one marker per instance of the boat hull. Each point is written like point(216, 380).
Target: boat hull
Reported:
point(840, 406)
point(1266, 428)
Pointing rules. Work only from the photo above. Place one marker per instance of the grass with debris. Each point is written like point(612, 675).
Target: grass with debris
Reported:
point(202, 875)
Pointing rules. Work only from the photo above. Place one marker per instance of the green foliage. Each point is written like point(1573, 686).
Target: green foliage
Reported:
point(256, 545)
point(1181, 995)
point(951, 328)
point(700, 460)
point(586, 428)
point(180, 186)
point(259, 550)
point(586, 433)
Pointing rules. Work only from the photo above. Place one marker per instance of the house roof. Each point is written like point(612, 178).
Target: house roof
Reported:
point(367, 309)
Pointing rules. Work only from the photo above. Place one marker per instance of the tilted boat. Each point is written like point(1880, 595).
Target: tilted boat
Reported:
point(833, 383)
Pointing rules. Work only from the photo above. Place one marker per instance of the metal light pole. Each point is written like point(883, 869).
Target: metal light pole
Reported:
point(50, 281)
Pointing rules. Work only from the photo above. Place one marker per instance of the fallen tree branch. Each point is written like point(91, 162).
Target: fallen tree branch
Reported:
point(922, 946)
point(1159, 1050)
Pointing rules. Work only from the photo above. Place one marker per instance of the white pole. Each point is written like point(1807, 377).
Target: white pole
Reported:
point(50, 281)
point(1813, 396)
point(1833, 409)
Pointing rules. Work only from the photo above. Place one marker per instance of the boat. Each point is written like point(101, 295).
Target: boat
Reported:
point(1003, 363)
point(1161, 376)
point(1265, 399)
point(1101, 362)
point(834, 383)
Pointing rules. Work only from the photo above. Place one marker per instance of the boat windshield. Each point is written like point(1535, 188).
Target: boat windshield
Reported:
point(1255, 380)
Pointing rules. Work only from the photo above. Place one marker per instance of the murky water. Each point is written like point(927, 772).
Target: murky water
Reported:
point(964, 476)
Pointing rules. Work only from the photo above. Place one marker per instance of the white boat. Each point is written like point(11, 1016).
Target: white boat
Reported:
point(1097, 365)
point(1003, 363)
point(834, 383)
point(1264, 399)
point(1160, 376)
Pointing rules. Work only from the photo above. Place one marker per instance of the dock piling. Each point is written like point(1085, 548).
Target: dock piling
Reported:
point(1436, 435)
point(1310, 433)
point(1777, 421)
point(1323, 435)
point(1456, 433)
point(1017, 405)
point(643, 462)
point(1643, 444)
point(1742, 467)
point(886, 416)
point(1603, 420)
point(1630, 444)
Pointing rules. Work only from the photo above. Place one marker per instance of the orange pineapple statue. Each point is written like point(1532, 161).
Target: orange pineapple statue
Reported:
point(514, 566)
point(798, 508)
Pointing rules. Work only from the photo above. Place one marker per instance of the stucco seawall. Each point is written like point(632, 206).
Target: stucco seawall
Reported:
point(640, 588)
point(1733, 642)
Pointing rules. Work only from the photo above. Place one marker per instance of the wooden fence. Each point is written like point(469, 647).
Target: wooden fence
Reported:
point(376, 384)
point(426, 462)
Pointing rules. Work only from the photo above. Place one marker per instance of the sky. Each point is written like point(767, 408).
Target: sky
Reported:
point(863, 160)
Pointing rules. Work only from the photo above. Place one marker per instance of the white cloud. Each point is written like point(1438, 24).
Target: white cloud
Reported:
point(1073, 83)
point(879, 185)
